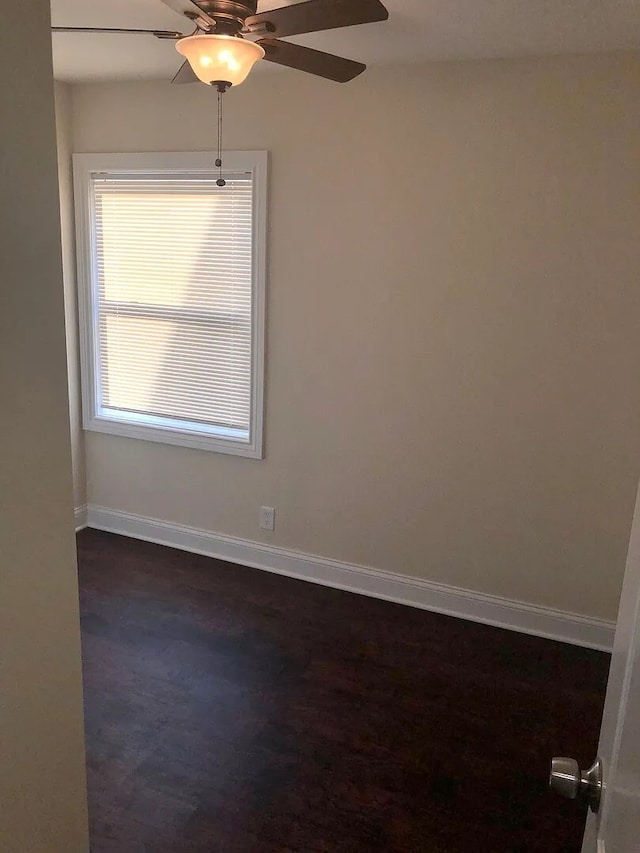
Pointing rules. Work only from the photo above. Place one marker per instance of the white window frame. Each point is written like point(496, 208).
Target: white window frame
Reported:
point(184, 434)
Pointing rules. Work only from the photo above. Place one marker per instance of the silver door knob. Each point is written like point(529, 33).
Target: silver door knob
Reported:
point(569, 781)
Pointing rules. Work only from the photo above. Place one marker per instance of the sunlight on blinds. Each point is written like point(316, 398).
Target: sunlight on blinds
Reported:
point(174, 282)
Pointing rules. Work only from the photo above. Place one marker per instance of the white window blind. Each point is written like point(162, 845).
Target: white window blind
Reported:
point(171, 287)
point(173, 268)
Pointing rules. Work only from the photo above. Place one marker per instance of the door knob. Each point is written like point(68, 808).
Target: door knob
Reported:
point(569, 781)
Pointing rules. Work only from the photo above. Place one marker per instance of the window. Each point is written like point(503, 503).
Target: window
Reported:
point(171, 273)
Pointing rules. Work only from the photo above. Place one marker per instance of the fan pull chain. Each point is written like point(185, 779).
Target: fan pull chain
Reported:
point(222, 88)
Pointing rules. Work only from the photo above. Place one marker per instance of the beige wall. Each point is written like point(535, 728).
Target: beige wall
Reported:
point(453, 311)
point(42, 778)
point(67, 221)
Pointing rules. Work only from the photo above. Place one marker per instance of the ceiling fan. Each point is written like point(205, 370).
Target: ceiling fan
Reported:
point(231, 35)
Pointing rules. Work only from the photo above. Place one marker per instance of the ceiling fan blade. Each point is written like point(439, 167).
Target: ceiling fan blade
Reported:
point(160, 34)
point(315, 15)
point(191, 11)
point(185, 74)
point(312, 61)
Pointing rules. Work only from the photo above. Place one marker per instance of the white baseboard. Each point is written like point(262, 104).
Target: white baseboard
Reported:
point(477, 607)
point(80, 515)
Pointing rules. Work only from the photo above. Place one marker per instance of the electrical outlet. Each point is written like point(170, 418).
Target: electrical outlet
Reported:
point(267, 518)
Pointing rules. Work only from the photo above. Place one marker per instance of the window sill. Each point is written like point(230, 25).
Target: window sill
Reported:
point(177, 437)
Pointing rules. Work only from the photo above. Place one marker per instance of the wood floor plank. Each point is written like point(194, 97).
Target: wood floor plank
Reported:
point(230, 710)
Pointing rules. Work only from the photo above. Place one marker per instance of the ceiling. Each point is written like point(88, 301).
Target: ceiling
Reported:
point(417, 31)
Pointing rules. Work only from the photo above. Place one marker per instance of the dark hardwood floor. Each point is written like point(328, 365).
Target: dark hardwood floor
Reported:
point(231, 710)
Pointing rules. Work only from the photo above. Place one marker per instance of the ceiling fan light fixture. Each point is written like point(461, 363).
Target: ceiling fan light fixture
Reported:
point(216, 58)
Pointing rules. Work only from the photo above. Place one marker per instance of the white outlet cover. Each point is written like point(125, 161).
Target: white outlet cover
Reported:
point(267, 518)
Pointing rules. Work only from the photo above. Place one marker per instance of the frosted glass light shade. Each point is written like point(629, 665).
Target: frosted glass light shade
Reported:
point(220, 58)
